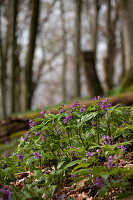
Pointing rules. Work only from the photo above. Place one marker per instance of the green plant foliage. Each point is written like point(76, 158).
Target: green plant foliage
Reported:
point(76, 144)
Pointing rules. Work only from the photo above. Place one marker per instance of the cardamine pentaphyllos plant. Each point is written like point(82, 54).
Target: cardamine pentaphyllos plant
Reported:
point(79, 143)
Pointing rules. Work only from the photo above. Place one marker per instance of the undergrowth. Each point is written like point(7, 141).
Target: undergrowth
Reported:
point(66, 148)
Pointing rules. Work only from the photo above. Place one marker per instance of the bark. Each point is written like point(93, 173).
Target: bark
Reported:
point(64, 46)
point(78, 4)
point(14, 58)
point(111, 46)
point(122, 56)
point(89, 58)
point(4, 47)
point(127, 27)
point(94, 87)
point(28, 93)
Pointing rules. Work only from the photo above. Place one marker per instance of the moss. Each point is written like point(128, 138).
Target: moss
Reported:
point(17, 134)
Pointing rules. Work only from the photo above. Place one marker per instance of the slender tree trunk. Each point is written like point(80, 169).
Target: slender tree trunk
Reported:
point(78, 4)
point(111, 47)
point(14, 56)
point(28, 93)
point(64, 94)
point(89, 59)
point(127, 26)
point(122, 56)
point(4, 46)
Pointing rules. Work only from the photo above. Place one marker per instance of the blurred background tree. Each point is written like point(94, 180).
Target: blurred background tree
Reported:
point(55, 50)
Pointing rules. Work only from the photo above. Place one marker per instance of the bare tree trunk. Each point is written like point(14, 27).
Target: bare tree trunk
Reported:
point(111, 46)
point(14, 56)
point(122, 56)
point(4, 46)
point(28, 93)
point(78, 4)
point(127, 25)
point(94, 87)
point(64, 94)
point(89, 59)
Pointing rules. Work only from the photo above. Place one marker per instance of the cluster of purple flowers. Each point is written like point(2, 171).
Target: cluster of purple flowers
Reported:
point(110, 161)
point(61, 109)
point(31, 123)
point(121, 147)
point(106, 139)
point(88, 155)
point(37, 133)
point(104, 105)
point(37, 155)
point(26, 136)
point(76, 104)
point(42, 112)
point(99, 181)
point(82, 109)
point(69, 117)
point(20, 157)
point(6, 193)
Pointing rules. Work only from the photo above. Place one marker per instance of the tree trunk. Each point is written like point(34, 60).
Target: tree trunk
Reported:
point(89, 58)
point(64, 94)
point(94, 87)
point(4, 47)
point(15, 73)
point(28, 93)
point(78, 4)
point(111, 45)
point(127, 26)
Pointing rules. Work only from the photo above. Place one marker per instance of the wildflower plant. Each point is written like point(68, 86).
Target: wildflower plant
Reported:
point(77, 143)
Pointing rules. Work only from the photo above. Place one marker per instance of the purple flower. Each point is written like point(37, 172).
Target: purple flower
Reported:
point(74, 175)
point(99, 182)
point(90, 175)
point(5, 154)
point(98, 151)
point(98, 97)
point(69, 117)
point(89, 154)
point(25, 138)
point(109, 104)
point(6, 193)
point(27, 133)
point(86, 160)
point(45, 133)
point(20, 157)
point(92, 124)
point(62, 111)
point(69, 111)
point(72, 148)
point(42, 112)
point(43, 138)
point(31, 123)
point(76, 104)
point(82, 109)
point(37, 133)
point(123, 148)
point(63, 196)
point(37, 155)
point(94, 98)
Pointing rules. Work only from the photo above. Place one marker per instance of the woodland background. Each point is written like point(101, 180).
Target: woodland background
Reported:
point(52, 51)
